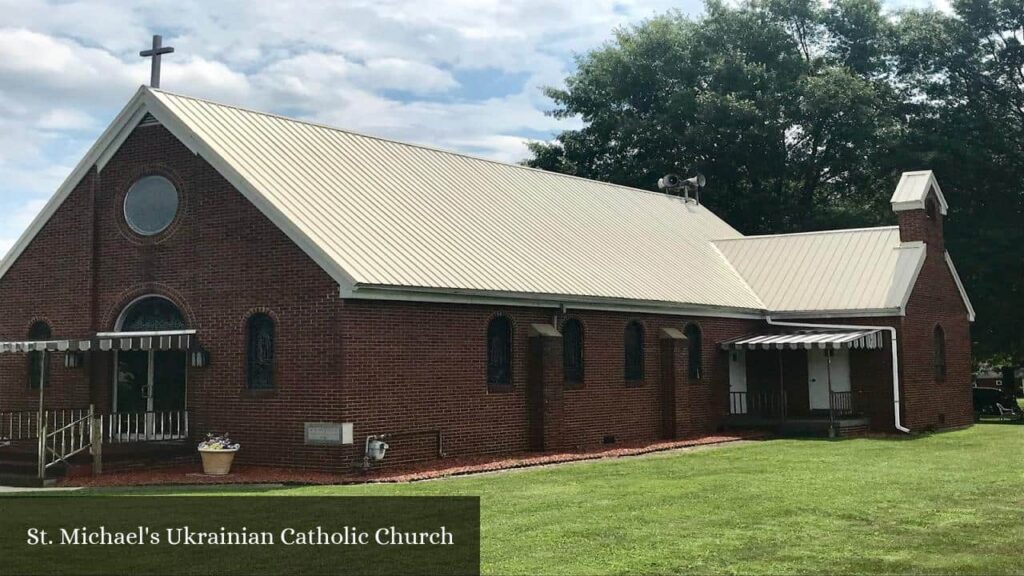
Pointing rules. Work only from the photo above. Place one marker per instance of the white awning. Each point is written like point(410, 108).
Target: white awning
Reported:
point(807, 339)
point(106, 341)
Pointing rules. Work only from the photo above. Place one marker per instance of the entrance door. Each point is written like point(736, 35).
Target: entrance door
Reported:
point(150, 394)
point(150, 381)
point(149, 389)
point(819, 371)
point(131, 396)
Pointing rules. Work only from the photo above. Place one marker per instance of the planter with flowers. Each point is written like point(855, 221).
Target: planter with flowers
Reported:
point(218, 453)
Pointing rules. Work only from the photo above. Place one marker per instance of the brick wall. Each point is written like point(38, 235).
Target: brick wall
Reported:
point(933, 401)
point(410, 370)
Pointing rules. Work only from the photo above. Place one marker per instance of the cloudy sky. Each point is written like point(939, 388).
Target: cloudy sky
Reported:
point(457, 74)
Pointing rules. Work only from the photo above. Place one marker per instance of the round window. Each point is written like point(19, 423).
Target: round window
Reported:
point(151, 205)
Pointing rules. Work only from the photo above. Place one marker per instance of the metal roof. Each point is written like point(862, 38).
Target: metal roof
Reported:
point(389, 220)
point(863, 269)
point(860, 339)
point(397, 215)
point(913, 190)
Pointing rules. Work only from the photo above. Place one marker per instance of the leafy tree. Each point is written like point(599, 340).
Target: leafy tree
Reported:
point(782, 104)
point(802, 114)
point(968, 70)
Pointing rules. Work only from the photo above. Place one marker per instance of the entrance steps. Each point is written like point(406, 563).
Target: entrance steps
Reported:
point(19, 461)
point(801, 427)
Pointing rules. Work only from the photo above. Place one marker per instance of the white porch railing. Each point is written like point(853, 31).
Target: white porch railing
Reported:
point(144, 427)
point(62, 434)
point(24, 425)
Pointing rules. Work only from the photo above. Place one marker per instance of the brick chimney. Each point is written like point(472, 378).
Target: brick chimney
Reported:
point(920, 207)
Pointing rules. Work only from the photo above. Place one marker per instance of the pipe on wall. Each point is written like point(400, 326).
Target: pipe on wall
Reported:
point(895, 359)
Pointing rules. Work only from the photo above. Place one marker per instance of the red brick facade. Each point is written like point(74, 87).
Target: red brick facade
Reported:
point(411, 370)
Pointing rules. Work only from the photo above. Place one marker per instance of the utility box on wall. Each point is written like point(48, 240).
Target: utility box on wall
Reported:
point(328, 434)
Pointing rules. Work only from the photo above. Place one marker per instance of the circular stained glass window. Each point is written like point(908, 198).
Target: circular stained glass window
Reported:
point(151, 205)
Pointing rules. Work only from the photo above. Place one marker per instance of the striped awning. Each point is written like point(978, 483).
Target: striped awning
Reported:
point(106, 341)
point(807, 339)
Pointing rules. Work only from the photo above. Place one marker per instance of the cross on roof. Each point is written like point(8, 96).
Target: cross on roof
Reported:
point(155, 52)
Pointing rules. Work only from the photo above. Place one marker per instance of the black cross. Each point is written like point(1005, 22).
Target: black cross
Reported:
point(155, 52)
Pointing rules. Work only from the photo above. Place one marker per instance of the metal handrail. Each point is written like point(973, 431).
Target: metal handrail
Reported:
point(69, 439)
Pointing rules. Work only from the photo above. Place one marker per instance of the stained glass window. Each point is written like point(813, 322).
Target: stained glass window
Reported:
point(634, 344)
point(261, 352)
point(939, 337)
point(152, 314)
point(572, 351)
point(151, 205)
point(696, 351)
point(499, 352)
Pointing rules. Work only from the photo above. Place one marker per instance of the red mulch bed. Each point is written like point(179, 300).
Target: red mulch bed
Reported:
point(192, 474)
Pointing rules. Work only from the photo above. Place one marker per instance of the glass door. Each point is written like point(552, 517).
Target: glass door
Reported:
point(150, 394)
point(168, 398)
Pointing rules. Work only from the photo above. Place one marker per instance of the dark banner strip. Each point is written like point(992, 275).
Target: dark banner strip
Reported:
point(250, 536)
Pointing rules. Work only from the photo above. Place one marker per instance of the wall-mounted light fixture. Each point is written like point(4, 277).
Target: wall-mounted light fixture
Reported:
point(199, 358)
point(74, 360)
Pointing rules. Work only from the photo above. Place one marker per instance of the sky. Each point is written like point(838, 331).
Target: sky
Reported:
point(463, 75)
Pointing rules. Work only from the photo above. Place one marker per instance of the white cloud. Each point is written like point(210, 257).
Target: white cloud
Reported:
point(387, 67)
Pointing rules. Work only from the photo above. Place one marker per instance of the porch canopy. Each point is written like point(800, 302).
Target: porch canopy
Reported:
point(107, 341)
point(866, 339)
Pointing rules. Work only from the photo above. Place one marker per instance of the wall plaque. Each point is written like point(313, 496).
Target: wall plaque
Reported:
point(328, 434)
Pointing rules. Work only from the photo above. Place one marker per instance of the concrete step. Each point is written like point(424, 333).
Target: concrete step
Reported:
point(26, 481)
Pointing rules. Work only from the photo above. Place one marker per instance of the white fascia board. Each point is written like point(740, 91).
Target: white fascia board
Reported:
point(98, 150)
point(922, 255)
point(861, 313)
point(118, 139)
point(960, 287)
point(439, 296)
point(200, 147)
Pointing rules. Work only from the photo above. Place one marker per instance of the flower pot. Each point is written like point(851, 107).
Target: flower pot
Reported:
point(217, 462)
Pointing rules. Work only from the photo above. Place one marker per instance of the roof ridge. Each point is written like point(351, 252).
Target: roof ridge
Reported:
point(401, 142)
point(810, 233)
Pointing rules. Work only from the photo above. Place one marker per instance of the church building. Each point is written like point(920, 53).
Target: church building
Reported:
point(207, 268)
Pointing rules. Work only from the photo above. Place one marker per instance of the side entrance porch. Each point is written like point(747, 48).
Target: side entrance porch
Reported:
point(810, 382)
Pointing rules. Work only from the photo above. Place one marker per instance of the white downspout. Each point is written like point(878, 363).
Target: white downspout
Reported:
point(895, 359)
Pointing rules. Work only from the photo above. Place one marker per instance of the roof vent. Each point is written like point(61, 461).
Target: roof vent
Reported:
point(148, 120)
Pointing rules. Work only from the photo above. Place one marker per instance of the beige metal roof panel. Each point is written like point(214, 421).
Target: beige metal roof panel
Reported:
point(865, 269)
point(398, 215)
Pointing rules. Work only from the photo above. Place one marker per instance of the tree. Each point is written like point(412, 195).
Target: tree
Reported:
point(802, 114)
point(782, 104)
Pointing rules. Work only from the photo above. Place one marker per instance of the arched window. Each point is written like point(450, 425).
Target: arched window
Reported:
point(152, 314)
point(499, 352)
point(261, 352)
point(572, 352)
point(695, 357)
point(38, 331)
point(634, 344)
point(939, 338)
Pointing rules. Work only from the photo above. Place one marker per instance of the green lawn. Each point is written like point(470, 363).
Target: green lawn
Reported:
point(944, 503)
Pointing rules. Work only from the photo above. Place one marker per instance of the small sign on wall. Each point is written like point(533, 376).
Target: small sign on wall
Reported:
point(328, 434)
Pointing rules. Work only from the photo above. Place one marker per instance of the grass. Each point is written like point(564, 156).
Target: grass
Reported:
point(943, 503)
